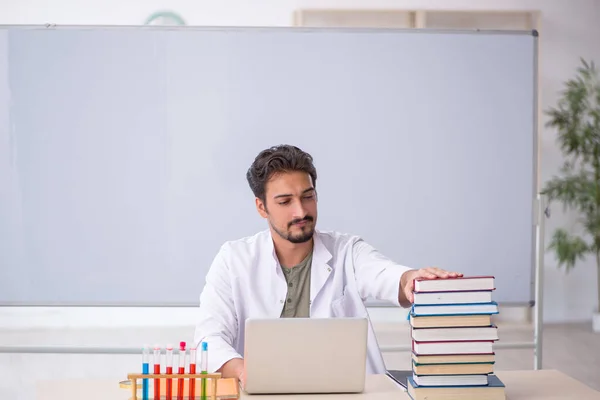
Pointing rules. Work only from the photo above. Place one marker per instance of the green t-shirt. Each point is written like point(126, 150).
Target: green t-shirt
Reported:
point(297, 301)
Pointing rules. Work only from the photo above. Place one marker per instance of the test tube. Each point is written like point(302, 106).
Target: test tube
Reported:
point(145, 370)
point(192, 389)
point(181, 370)
point(156, 371)
point(204, 369)
point(169, 385)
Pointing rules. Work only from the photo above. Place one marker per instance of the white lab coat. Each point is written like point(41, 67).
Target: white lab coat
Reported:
point(245, 280)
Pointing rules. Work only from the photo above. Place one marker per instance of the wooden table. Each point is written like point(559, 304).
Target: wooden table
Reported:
point(520, 385)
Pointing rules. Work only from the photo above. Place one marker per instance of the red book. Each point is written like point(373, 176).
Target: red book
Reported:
point(462, 284)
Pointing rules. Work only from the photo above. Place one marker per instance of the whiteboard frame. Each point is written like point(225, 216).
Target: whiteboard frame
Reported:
point(49, 26)
point(539, 209)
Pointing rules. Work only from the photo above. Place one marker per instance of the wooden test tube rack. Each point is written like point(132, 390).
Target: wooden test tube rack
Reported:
point(133, 383)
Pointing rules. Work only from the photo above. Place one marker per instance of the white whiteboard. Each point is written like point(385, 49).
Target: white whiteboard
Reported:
point(123, 151)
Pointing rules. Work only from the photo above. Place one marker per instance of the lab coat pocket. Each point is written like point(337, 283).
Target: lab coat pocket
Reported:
point(337, 306)
point(348, 305)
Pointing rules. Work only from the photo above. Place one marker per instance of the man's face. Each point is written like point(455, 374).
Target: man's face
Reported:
point(290, 206)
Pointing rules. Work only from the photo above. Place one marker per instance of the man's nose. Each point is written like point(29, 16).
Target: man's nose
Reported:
point(299, 210)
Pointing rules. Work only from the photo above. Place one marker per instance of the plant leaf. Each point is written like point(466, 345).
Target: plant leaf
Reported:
point(577, 191)
point(592, 227)
point(568, 248)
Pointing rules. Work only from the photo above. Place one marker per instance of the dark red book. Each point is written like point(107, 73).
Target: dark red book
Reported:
point(463, 284)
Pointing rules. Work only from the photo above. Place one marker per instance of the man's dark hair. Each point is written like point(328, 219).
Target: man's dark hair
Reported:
point(277, 159)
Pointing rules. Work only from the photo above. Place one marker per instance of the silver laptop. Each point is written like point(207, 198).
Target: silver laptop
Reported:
point(305, 355)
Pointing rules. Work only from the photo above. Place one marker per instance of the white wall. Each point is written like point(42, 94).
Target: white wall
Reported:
point(569, 30)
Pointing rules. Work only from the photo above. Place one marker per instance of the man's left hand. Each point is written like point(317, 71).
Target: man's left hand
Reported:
point(406, 282)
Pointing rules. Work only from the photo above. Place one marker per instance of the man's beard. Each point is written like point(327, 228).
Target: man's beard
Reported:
point(302, 237)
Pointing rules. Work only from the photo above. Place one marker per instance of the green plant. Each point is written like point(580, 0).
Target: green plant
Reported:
point(577, 120)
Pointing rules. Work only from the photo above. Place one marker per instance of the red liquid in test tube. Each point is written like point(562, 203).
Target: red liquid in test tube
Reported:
point(181, 370)
point(157, 371)
point(192, 371)
point(169, 388)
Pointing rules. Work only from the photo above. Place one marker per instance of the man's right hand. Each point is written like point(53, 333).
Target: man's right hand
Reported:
point(234, 368)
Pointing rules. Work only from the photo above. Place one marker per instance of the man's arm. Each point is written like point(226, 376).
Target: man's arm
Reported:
point(382, 279)
point(217, 323)
point(377, 276)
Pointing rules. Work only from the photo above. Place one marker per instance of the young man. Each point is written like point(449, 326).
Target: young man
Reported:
point(292, 269)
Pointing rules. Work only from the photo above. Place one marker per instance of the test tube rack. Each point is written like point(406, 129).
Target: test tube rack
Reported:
point(133, 384)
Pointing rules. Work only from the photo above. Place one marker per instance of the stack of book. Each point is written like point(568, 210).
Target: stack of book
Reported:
point(452, 340)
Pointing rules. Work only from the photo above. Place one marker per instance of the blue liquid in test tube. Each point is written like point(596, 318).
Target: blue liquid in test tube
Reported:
point(145, 370)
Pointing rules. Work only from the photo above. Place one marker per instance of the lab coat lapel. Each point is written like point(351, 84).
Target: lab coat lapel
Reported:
point(321, 268)
point(278, 287)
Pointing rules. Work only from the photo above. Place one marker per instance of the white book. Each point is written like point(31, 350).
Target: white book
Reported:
point(455, 309)
point(450, 380)
point(455, 334)
point(430, 348)
point(453, 297)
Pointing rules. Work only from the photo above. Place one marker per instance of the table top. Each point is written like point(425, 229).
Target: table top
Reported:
point(520, 385)
point(377, 387)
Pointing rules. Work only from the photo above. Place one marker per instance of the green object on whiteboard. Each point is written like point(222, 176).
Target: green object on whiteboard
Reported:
point(164, 18)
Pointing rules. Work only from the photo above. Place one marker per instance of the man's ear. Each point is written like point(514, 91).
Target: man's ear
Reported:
point(261, 207)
